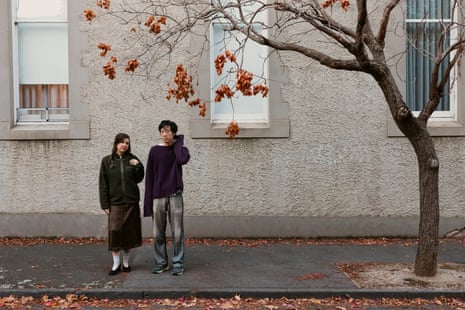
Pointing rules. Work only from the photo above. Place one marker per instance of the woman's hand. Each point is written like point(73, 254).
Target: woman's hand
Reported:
point(133, 162)
point(107, 211)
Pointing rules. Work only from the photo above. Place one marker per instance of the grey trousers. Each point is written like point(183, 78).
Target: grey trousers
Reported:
point(169, 208)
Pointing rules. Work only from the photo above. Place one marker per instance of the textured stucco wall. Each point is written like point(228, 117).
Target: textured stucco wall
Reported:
point(337, 163)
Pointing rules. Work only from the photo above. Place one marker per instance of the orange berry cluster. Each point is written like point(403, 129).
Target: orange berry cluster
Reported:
point(104, 47)
point(261, 89)
point(243, 79)
point(203, 109)
point(221, 59)
point(132, 65)
point(89, 14)
point(223, 91)
point(154, 26)
point(232, 130)
point(103, 4)
point(202, 106)
point(230, 56)
point(109, 69)
point(183, 82)
point(184, 90)
point(244, 82)
point(344, 4)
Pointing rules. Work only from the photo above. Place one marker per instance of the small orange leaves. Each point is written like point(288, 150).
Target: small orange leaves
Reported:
point(310, 276)
point(194, 102)
point(149, 21)
point(221, 59)
point(230, 56)
point(202, 106)
point(232, 130)
point(261, 89)
point(132, 65)
point(89, 14)
point(344, 4)
point(223, 91)
point(244, 79)
point(203, 109)
point(183, 81)
point(244, 82)
point(155, 28)
point(103, 4)
point(104, 47)
point(184, 90)
point(154, 25)
point(109, 70)
point(162, 20)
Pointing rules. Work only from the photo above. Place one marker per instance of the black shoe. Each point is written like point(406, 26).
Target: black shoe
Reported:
point(160, 268)
point(177, 271)
point(127, 269)
point(114, 272)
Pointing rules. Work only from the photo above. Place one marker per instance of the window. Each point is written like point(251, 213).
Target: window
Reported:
point(257, 116)
point(424, 23)
point(41, 64)
point(41, 42)
point(253, 58)
point(423, 20)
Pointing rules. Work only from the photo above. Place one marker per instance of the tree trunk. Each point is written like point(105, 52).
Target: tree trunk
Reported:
point(427, 252)
point(428, 164)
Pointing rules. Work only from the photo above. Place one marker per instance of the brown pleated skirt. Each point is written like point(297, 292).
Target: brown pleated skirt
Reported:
point(124, 227)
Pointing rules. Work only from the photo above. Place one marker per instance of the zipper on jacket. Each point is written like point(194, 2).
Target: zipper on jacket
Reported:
point(123, 185)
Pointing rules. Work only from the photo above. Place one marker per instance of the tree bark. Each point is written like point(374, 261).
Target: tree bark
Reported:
point(427, 252)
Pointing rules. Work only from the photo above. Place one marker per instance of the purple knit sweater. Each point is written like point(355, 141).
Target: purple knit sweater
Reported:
point(164, 172)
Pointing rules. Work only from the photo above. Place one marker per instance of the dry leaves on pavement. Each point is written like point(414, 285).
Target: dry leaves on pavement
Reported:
point(252, 242)
point(81, 302)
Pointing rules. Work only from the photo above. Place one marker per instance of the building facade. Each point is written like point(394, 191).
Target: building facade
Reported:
point(327, 161)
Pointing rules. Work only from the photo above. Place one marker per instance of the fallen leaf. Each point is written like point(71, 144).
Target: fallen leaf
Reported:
point(310, 276)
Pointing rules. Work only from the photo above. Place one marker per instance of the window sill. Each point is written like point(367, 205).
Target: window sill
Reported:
point(203, 129)
point(435, 128)
point(46, 131)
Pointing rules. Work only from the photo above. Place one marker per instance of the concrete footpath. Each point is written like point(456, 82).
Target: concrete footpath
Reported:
point(267, 270)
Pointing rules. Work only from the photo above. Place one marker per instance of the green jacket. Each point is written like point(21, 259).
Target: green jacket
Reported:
point(118, 180)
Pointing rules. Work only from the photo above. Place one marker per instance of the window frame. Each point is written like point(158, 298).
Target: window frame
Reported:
point(78, 126)
point(278, 125)
point(438, 115)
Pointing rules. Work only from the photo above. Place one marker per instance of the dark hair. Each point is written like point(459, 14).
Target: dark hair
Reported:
point(171, 124)
point(118, 139)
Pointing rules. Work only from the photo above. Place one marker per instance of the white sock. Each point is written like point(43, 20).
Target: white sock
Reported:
point(116, 262)
point(126, 259)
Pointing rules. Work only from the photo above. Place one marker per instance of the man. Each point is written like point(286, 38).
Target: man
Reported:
point(163, 195)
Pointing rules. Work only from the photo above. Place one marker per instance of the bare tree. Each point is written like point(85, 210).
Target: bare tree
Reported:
point(357, 47)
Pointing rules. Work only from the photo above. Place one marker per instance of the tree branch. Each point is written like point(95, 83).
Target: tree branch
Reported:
point(381, 37)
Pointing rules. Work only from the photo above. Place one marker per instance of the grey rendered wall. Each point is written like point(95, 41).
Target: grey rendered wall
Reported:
point(339, 174)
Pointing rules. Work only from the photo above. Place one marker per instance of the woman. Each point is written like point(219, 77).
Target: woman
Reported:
point(120, 172)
